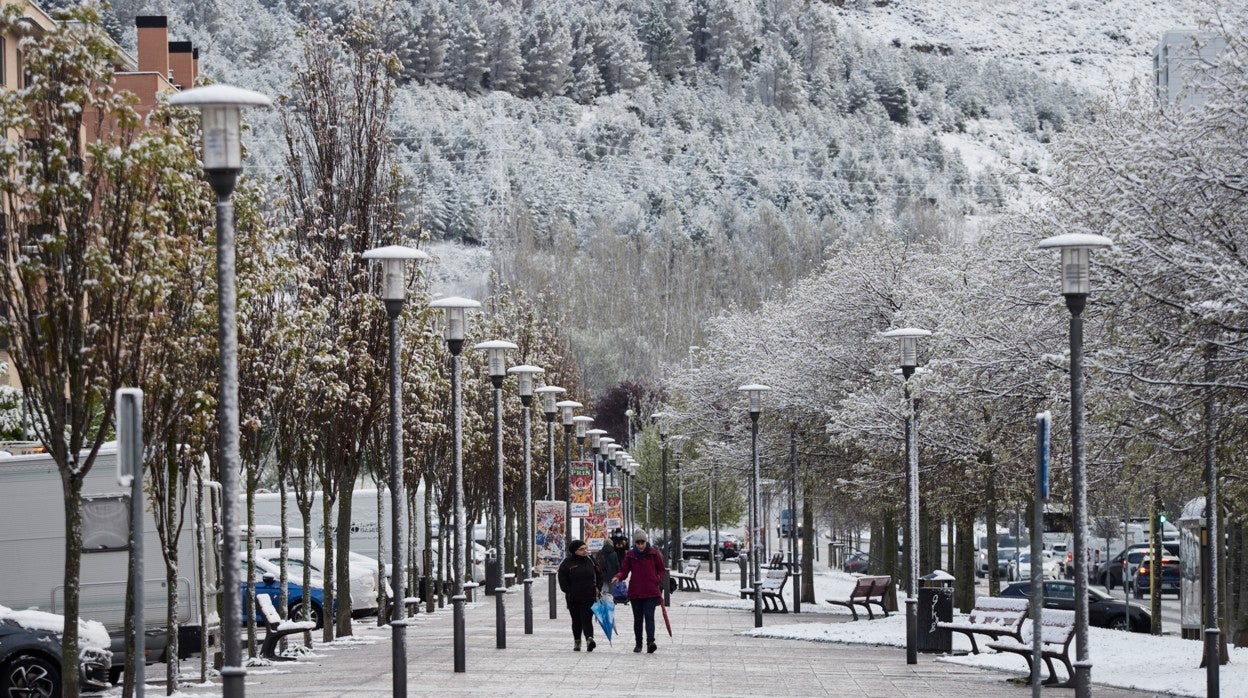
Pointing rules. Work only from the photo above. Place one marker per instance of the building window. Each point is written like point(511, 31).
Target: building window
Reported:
point(105, 523)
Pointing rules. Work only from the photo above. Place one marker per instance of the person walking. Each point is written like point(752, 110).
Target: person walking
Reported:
point(580, 579)
point(644, 568)
point(608, 562)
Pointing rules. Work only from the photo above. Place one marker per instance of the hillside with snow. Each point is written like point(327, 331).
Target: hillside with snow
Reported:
point(1091, 43)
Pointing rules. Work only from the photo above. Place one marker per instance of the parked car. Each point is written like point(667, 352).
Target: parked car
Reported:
point(363, 575)
point(1171, 575)
point(698, 544)
point(1104, 611)
point(857, 563)
point(1020, 568)
point(267, 583)
point(30, 654)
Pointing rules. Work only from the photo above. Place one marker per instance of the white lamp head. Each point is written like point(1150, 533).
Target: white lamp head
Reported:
point(1076, 259)
point(565, 409)
point(755, 392)
point(221, 109)
point(524, 376)
point(394, 259)
point(582, 425)
point(595, 437)
point(908, 337)
point(659, 419)
point(496, 350)
point(549, 393)
point(456, 311)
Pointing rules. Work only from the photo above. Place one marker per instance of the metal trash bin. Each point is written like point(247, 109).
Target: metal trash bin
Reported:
point(493, 575)
point(935, 605)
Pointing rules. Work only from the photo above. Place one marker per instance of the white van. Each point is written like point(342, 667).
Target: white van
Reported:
point(32, 553)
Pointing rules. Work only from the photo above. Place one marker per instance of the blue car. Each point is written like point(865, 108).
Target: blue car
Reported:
point(268, 578)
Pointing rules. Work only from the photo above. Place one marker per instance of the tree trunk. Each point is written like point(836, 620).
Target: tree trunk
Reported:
point(809, 541)
point(342, 569)
point(427, 532)
point(966, 562)
point(283, 592)
point(327, 564)
point(305, 517)
point(249, 603)
point(1239, 545)
point(201, 582)
point(991, 514)
point(887, 550)
point(172, 650)
point(73, 573)
point(382, 616)
point(127, 682)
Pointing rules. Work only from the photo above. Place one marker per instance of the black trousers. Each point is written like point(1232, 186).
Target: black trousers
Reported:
point(582, 619)
point(643, 611)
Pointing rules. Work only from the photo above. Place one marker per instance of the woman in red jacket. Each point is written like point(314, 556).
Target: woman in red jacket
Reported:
point(647, 568)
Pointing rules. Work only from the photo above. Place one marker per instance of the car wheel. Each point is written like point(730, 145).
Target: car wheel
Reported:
point(1119, 623)
point(30, 675)
point(296, 612)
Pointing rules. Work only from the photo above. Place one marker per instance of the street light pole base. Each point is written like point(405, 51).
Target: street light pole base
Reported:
point(461, 662)
point(528, 606)
point(912, 630)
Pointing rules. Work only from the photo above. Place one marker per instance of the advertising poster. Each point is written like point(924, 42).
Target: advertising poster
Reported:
point(549, 528)
point(596, 526)
point(615, 507)
point(582, 487)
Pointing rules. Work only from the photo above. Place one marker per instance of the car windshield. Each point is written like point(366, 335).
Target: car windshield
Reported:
point(1025, 557)
point(1005, 554)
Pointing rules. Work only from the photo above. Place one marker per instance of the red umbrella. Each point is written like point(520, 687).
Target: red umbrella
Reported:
point(666, 621)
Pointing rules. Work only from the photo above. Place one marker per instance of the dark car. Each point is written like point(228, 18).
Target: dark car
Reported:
point(857, 563)
point(1123, 565)
point(1171, 575)
point(1104, 611)
point(30, 657)
point(699, 545)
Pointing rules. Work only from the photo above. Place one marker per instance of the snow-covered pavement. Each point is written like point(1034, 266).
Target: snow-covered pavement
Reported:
point(1166, 664)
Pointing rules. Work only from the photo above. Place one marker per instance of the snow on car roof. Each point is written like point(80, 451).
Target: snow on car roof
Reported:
point(91, 634)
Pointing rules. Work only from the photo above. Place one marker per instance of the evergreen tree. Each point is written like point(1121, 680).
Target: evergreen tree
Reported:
point(468, 64)
point(506, 66)
point(665, 33)
point(432, 42)
point(587, 81)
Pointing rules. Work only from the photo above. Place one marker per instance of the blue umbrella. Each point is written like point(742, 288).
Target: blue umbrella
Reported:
point(604, 611)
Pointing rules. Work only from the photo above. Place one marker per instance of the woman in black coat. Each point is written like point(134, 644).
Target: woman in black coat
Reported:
point(580, 579)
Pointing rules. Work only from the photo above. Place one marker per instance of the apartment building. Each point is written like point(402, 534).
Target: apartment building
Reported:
point(160, 66)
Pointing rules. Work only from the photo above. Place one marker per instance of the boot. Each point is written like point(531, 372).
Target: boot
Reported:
point(638, 647)
point(590, 644)
point(576, 645)
point(651, 648)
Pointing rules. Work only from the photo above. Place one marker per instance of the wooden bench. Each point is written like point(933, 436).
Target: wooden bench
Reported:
point(775, 563)
point(866, 591)
point(1057, 629)
point(687, 578)
point(993, 616)
point(772, 591)
point(276, 627)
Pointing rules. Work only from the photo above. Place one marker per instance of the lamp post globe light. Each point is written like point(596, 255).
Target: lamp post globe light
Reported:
point(394, 259)
point(496, 350)
point(524, 377)
point(220, 108)
point(607, 446)
point(659, 420)
point(566, 417)
point(908, 338)
point(1076, 249)
point(550, 409)
point(628, 415)
point(755, 392)
point(455, 315)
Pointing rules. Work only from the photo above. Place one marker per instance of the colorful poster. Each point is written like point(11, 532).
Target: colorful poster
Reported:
point(596, 526)
point(549, 528)
point(615, 507)
point(582, 487)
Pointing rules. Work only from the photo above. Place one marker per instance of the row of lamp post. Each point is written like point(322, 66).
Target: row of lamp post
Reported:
point(221, 106)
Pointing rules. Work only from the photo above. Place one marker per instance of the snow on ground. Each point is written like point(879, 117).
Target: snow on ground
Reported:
point(1165, 664)
point(1096, 43)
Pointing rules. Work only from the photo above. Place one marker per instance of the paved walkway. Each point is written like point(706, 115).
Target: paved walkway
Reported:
point(706, 657)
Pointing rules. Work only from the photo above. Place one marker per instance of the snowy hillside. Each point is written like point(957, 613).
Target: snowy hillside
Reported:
point(1093, 43)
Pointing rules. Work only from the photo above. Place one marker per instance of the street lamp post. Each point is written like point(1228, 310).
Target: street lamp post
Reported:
point(549, 393)
point(660, 420)
point(394, 259)
point(524, 376)
point(1076, 251)
point(793, 552)
point(755, 392)
point(596, 447)
point(221, 108)
point(908, 337)
point(713, 517)
point(566, 408)
point(456, 311)
point(678, 544)
point(496, 350)
point(629, 414)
